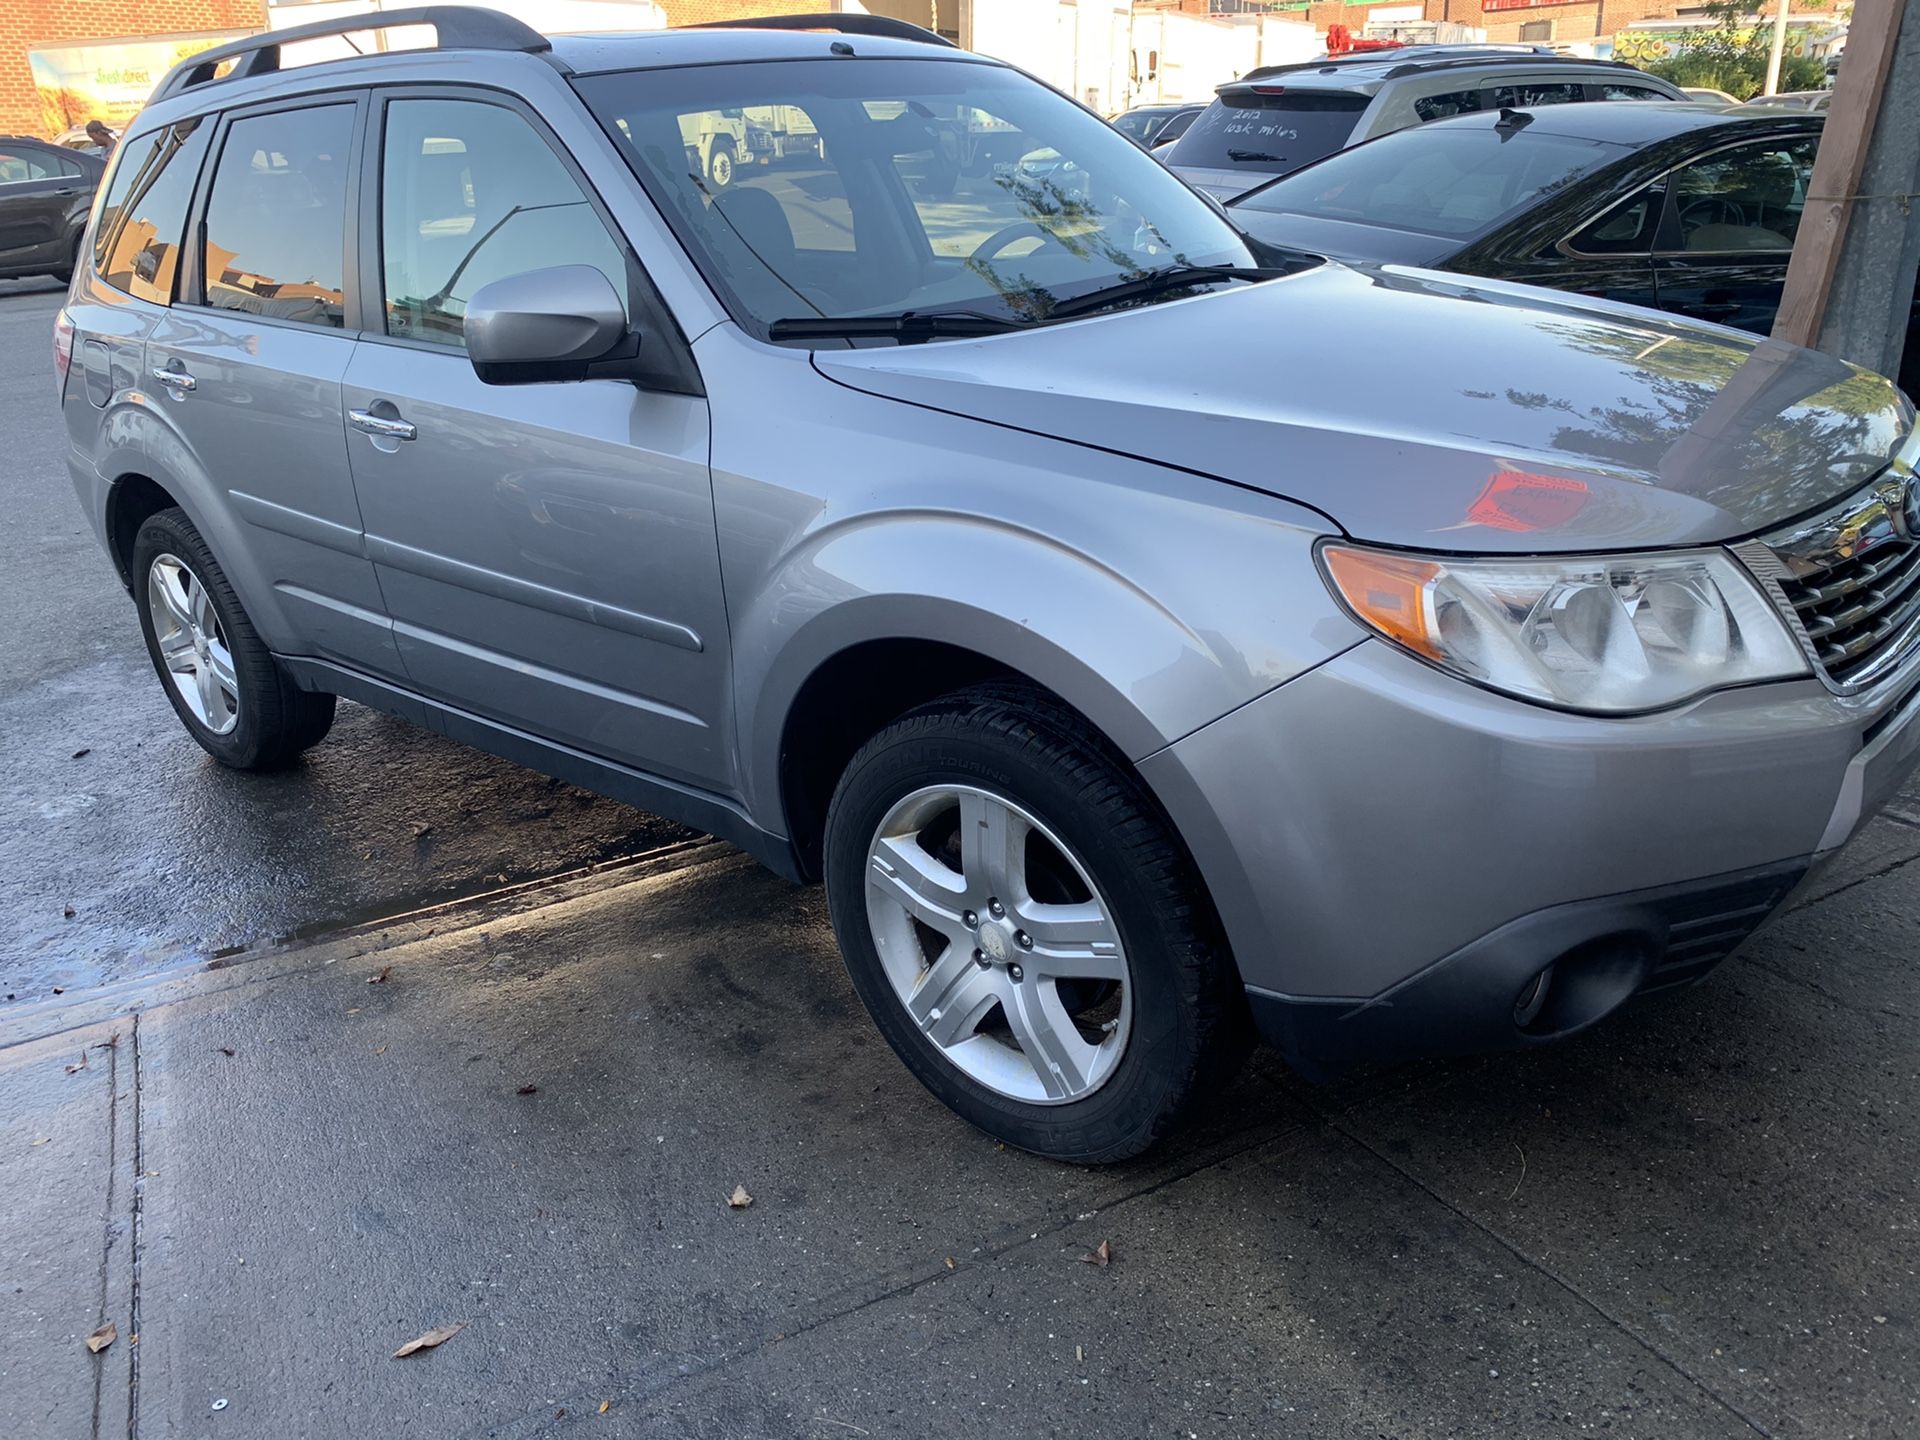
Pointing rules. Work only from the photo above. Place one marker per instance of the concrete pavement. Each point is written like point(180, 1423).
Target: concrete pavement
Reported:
point(1697, 1221)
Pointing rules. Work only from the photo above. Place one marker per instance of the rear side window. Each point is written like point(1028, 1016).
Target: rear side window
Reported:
point(1613, 91)
point(19, 166)
point(1626, 229)
point(1523, 97)
point(1275, 133)
point(136, 245)
point(470, 194)
point(1749, 198)
point(1453, 102)
point(276, 222)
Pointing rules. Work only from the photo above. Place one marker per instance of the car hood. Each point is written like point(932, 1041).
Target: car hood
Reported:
point(1421, 409)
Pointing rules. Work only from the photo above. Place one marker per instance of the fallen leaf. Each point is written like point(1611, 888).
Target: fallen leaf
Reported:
point(1101, 1254)
point(950, 1264)
point(437, 1336)
point(83, 752)
point(561, 1413)
point(379, 1049)
point(528, 1090)
point(421, 830)
point(103, 1337)
point(381, 978)
point(225, 1049)
point(739, 1199)
point(43, 1140)
point(605, 1405)
point(77, 1068)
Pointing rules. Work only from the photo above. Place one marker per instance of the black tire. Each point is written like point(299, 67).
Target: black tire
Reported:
point(1190, 1027)
point(276, 720)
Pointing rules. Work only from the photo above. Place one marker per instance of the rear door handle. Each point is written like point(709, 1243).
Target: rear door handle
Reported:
point(173, 377)
point(383, 426)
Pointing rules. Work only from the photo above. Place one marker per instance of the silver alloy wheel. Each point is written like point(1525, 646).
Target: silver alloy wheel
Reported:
point(1028, 995)
point(192, 643)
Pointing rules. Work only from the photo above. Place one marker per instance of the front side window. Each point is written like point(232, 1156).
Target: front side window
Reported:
point(1749, 198)
point(876, 187)
point(136, 243)
point(1440, 181)
point(276, 221)
point(1614, 91)
point(1626, 229)
point(1272, 129)
point(469, 194)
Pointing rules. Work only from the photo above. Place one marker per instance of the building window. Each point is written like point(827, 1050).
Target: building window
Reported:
point(1536, 30)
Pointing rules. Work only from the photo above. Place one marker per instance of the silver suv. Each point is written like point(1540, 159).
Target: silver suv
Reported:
point(1275, 119)
point(1150, 641)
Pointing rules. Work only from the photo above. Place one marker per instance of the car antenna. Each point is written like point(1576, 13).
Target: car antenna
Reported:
point(1512, 119)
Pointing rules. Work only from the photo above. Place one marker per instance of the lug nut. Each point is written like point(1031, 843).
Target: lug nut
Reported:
point(980, 959)
point(1023, 940)
point(997, 908)
point(1013, 973)
point(970, 920)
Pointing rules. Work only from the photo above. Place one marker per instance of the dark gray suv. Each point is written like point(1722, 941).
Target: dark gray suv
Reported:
point(1435, 666)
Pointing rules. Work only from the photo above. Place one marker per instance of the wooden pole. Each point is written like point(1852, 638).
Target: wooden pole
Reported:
point(1859, 99)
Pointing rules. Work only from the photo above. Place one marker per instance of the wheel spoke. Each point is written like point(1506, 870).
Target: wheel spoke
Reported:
point(199, 606)
point(220, 662)
point(165, 589)
point(208, 689)
point(1044, 1031)
point(902, 870)
point(1073, 940)
point(953, 997)
point(177, 650)
point(993, 847)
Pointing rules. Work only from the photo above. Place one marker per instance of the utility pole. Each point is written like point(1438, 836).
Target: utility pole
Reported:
point(1850, 284)
point(1779, 50)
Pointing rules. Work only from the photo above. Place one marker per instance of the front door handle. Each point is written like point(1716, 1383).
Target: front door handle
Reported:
point(1712, 309)
point(386, 427)
point(173, 377)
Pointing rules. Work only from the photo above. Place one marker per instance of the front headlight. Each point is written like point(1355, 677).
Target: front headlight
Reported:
point(1604, 633)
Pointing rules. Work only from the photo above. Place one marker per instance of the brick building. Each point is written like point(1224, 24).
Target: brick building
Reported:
point(1556, 21)
point(26, 25)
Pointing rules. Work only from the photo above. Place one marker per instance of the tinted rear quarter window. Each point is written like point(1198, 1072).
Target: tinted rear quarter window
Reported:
point(276, 223)
point(1275, 133)
point(136, 245)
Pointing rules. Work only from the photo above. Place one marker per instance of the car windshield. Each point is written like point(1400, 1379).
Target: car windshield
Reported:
point(1272, 130)
point(880, 187)
point(1437, 179)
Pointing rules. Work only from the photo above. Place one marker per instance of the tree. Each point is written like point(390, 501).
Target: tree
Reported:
point(1731, 55)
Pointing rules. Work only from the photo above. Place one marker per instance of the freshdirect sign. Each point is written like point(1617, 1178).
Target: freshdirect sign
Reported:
point(109, 80)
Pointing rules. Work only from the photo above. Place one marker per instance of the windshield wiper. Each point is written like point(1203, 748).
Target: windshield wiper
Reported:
point(909, 327)
point(1252, 156)
point(1173, 277)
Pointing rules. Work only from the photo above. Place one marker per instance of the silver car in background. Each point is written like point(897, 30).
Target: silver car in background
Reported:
point(1430, 665)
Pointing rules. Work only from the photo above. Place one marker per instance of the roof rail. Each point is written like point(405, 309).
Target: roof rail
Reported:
point(1406, 57)
point(881, 26)
point(456, 27)
point(1545, 57)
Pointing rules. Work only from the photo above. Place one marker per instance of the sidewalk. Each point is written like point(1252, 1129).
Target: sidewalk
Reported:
point(1698, 1222)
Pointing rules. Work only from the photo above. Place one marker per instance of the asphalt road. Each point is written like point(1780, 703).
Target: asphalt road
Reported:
point(161, 856)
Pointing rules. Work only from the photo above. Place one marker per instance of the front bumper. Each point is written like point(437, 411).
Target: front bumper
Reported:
point(1396, 854)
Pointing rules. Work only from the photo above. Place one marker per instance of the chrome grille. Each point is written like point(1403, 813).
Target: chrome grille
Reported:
point(1852, 578)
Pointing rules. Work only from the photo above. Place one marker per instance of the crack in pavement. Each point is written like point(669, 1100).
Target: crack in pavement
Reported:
point(133, 1232)
point(107, 1219)
point(1549, 1274)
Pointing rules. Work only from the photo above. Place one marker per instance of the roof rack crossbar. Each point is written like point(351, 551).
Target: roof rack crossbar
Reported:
point(1411, 59)
point(1545, 58)
point(456, 27)
point(880, 26)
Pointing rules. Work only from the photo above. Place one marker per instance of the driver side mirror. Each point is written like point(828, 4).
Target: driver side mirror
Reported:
point(562, 323)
